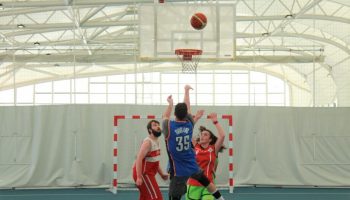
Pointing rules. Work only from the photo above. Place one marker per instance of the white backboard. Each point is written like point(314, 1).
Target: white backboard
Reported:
point(166, 27)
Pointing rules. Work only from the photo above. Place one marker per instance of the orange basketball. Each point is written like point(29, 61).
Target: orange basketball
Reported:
point(198, 21)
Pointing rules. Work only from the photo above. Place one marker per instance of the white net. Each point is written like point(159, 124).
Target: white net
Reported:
point(189, 59)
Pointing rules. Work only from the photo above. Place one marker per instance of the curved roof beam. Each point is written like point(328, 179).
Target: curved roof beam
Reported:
point(286, 22)
point(65, 26)
point(283, 17)
point(53, 3)
point(297, 35)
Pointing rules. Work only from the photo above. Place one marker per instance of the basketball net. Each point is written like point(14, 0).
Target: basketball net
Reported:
point(189, 59)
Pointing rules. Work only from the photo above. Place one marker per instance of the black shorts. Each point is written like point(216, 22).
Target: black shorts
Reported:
point(178, 186)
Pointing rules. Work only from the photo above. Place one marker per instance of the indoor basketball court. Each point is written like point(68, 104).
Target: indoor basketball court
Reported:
point(87, 86)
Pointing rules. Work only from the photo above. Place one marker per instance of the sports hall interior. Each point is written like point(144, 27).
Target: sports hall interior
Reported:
point(277, 72)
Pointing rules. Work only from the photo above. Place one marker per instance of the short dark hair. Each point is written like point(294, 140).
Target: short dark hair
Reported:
point(149, 124)
point(181, 111)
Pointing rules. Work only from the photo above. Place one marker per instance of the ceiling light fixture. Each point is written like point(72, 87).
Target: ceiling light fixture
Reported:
point(21, 26)
point(290, 16)
point(36, 43)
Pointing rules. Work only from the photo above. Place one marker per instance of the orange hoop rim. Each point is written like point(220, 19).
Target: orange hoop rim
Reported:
point(188, 52)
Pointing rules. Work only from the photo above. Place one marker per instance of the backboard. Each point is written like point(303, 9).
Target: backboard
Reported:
point(166, 27)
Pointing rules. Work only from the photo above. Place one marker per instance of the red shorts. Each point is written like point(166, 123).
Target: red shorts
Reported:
point(149, 188)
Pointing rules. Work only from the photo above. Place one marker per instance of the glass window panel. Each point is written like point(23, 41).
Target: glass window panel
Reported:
point(240, 78)
point(130, 77)
point(240, 88)
point(43, 99)
point(257, 88)
point(192, 98)
point(287, 97)
point(240, 99)
point(130, 99)
point(156, 99)
point(169, 78)
point(147, 77)
point(187, 78)
point(205, 99)
point(223, 99)
point(130, 88)
point(98, 79)
point(223, 88)
point(81, 85)
point(148, 88)
point(61, 98)
point(155, 78)
point(98, 98)
point(258, 99)
point(205, 78)
point(115, 88)
point(25, 94)
point(222, 78)
point(116, 98)
point(61, 86)
point(151, 77)
point(170, 88)
point(275, 85)
point(204, 88)
point(81, 98)
point(43, 87)
point(139, 98)
point(175, 97)
point(276, 98)
point(139, 88)
point(139, 77)
point(156, 88)
point(6, 96)
point(151, 99)
point(257, 77)
point(116, 78)
point(97, 88)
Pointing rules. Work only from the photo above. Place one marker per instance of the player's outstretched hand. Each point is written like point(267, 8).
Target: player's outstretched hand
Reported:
point(213, 116)
point(170, 99)
point(188, 87)
point(198, 115)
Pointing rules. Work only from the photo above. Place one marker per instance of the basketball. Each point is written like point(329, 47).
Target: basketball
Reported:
point(198, 21)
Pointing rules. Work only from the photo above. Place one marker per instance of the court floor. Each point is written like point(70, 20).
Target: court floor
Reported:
point(241, 193)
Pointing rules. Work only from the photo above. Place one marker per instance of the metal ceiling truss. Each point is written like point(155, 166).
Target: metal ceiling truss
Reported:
point(99, 35)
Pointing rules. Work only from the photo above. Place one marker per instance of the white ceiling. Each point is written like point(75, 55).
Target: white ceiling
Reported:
point(79, 38)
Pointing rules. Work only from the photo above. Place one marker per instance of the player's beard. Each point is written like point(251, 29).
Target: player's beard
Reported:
point(156, 133)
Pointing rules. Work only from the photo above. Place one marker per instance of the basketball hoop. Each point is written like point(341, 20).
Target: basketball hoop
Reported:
point(189, 59)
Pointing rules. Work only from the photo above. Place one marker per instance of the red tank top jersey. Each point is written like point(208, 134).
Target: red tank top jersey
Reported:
point(150, 163)
point(206, 159)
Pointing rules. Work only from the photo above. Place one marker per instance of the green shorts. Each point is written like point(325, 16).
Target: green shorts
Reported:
point(198, 193)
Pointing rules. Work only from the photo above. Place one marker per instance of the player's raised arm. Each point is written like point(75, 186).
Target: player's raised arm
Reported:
point(167, 112)
point(198, 115)
point(187, 98)
point(221, 132)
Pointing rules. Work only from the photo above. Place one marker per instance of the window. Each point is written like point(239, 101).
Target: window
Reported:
point(225, 87)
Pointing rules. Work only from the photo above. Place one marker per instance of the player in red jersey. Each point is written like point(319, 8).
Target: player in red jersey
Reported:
point(207, 149)
point(147, 165)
